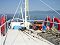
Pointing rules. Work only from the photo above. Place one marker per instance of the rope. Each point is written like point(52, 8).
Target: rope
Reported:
point(16, 9)
point(49, 7)
point(29, 35)
point(38, 37)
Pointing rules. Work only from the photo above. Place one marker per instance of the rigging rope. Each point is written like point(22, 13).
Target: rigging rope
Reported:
point(49, 7)
point(16, 9)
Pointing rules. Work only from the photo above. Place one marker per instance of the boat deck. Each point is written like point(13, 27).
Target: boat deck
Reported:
point(16, 37)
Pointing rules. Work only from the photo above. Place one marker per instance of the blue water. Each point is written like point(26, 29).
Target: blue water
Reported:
point(36, 15)
point(43, 14)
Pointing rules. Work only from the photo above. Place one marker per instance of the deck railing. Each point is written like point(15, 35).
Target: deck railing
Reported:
point(6, 24)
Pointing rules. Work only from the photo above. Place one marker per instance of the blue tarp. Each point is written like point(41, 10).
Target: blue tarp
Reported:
point(17, 27)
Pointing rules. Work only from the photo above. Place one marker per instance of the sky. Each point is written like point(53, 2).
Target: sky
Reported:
point(10, 6)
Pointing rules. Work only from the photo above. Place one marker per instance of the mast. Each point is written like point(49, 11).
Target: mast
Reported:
point(26, 13)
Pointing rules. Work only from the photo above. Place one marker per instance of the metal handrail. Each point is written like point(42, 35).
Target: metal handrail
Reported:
point(52, 22)
point(9, 21)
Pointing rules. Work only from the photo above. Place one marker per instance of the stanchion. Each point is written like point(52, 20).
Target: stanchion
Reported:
point(0, 31)
point(0, 35)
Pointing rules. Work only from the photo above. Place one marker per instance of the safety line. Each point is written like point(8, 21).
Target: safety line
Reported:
point(49, 7)
point(16, 9)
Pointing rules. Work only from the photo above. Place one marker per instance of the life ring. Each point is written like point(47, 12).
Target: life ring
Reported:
point(58, 21)
point(3, 20)
point(50, 20)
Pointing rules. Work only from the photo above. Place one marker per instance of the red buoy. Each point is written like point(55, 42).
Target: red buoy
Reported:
point(51, 24)
point(50, 20)
point(3, 20)
point(58, 21)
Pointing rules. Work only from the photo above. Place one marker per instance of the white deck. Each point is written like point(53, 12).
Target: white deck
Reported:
point(15, 37)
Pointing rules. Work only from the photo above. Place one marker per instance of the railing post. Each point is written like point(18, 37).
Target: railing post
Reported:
point(0, 30)
point(0, 35)
point(47, 20)
point(53, 21)
point(6, 27)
